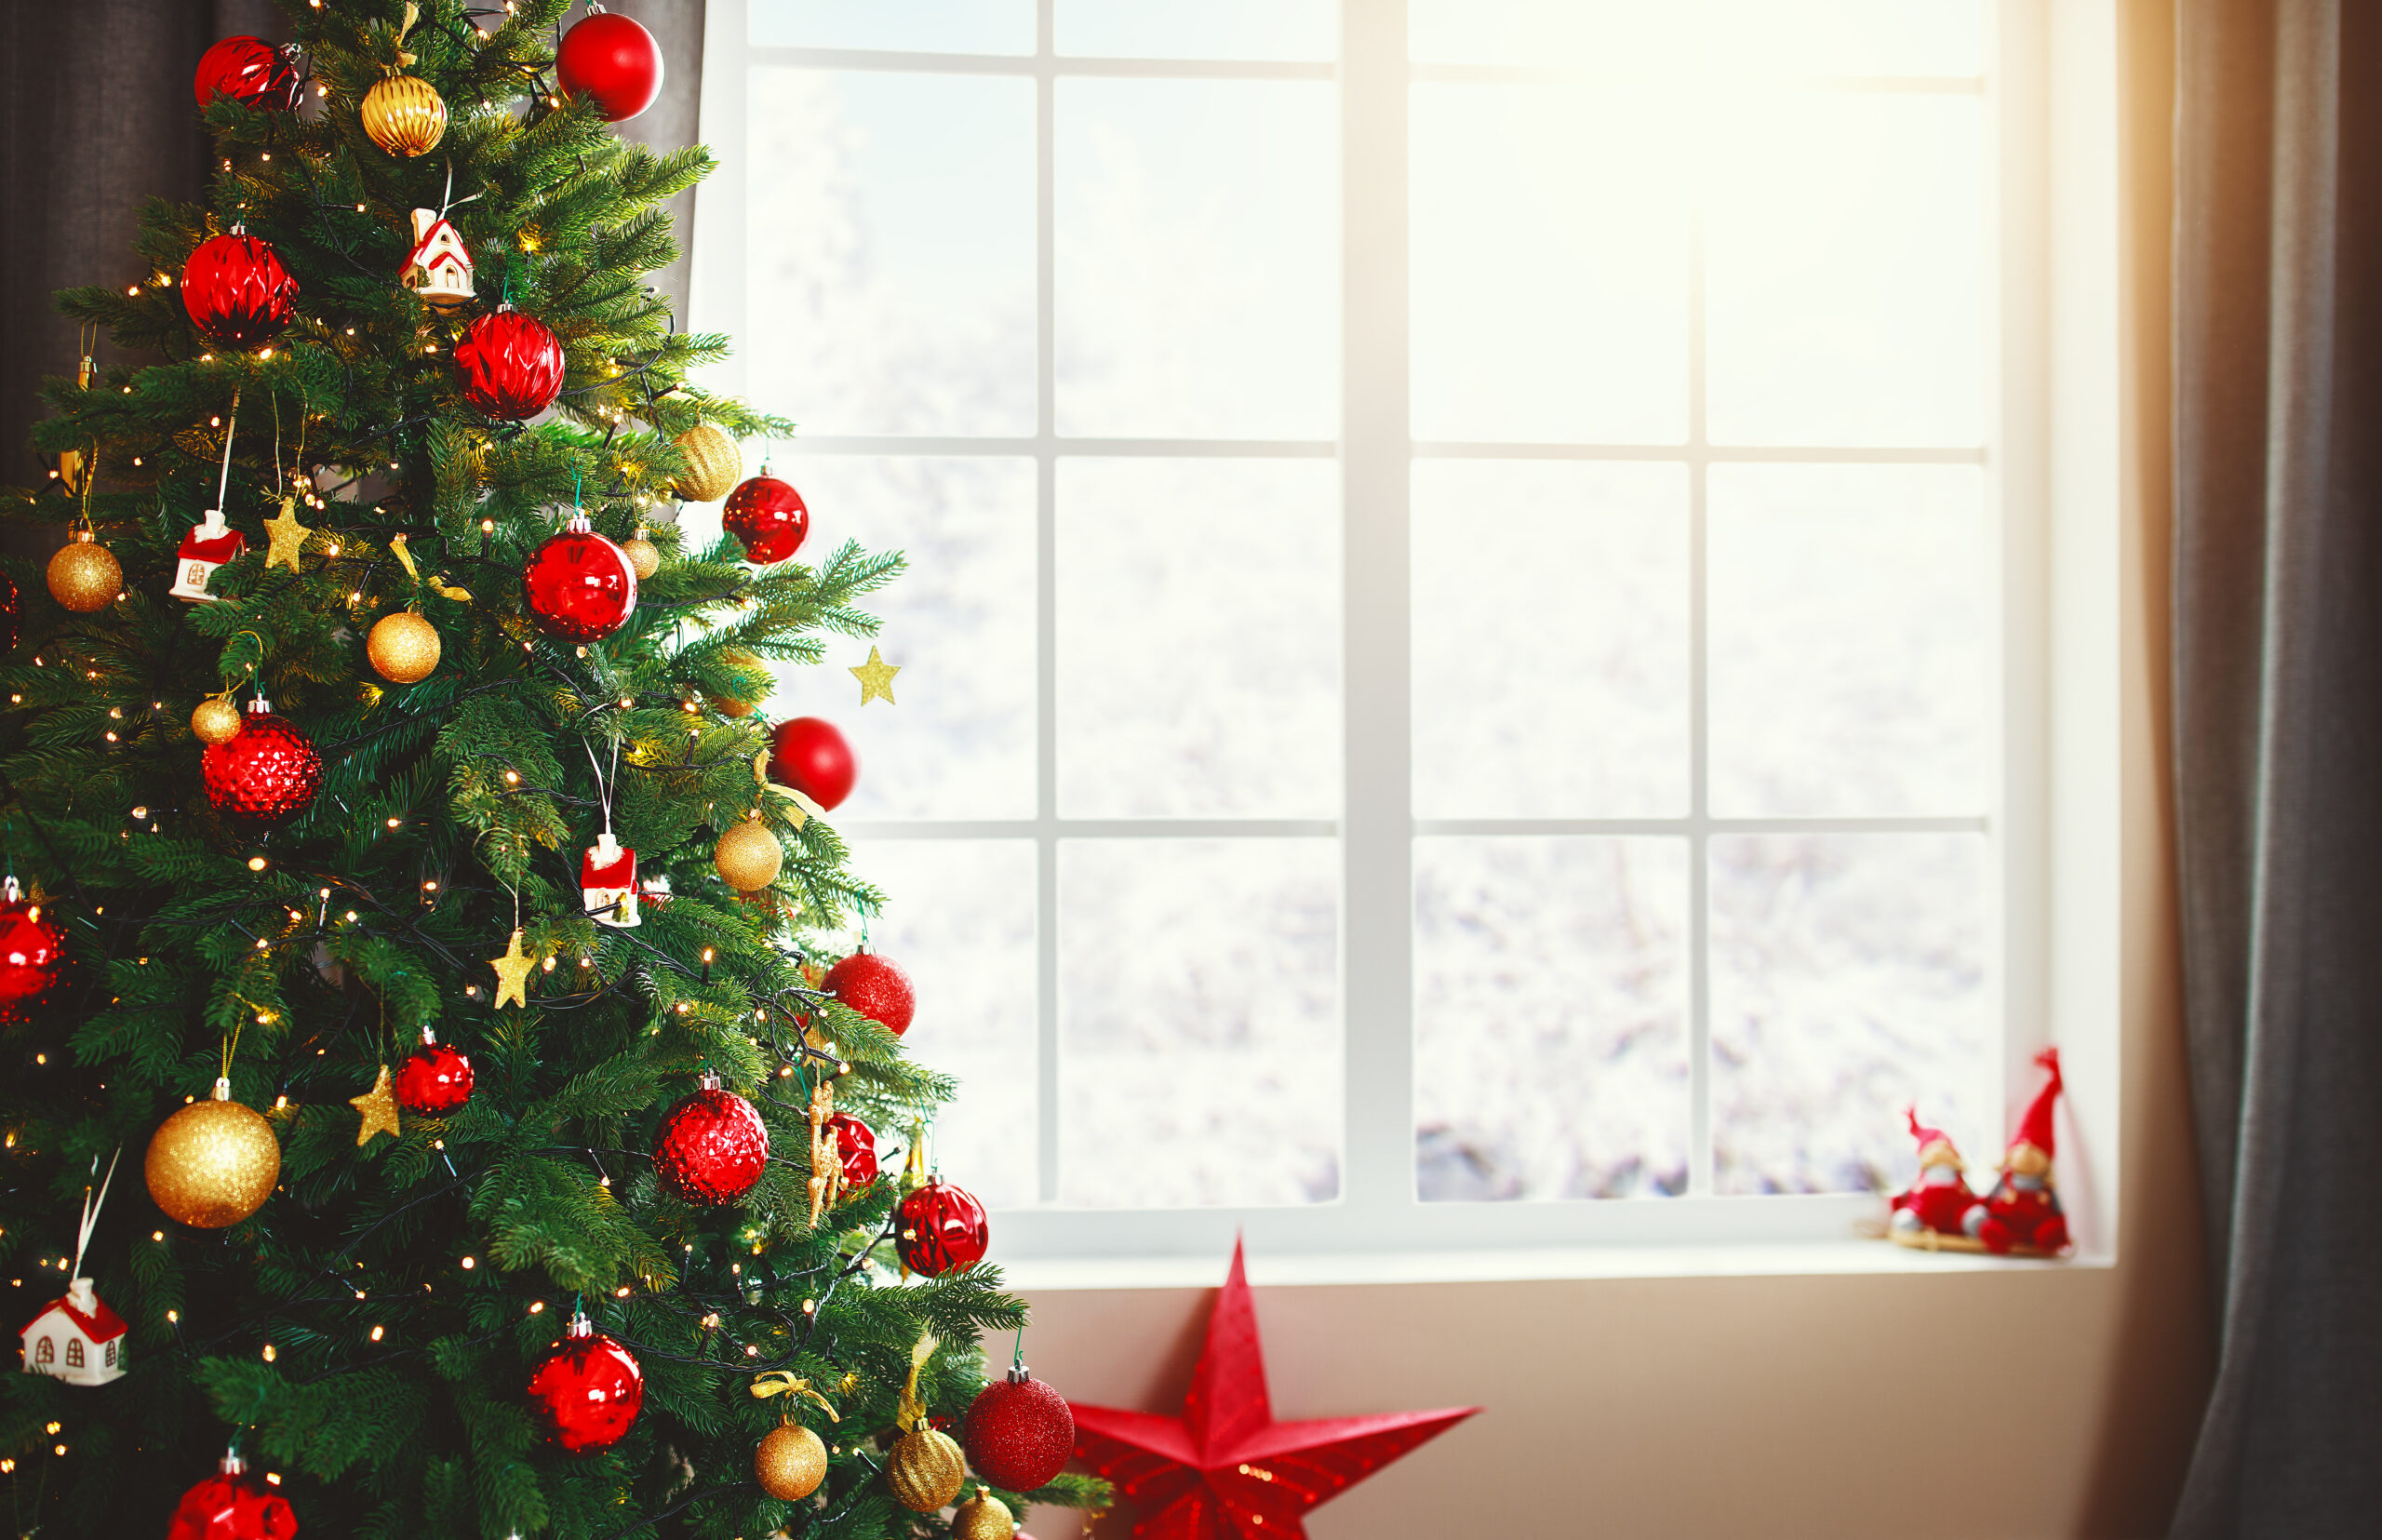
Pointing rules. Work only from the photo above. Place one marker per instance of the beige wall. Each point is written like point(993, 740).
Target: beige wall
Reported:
point(2022, 1405)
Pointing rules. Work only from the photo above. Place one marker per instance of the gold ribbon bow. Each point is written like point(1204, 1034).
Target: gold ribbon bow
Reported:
point(781, 1382)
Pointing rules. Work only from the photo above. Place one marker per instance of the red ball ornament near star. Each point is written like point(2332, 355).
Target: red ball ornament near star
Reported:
point(232, 1505)
point(768, 517)
point(33, 950)
point(877, 988)
point(251, 72)
point(435, 1079)
point(510, 365)
point(943, 1229)
point(712, 1147)
point(587, 1390)
point(855, 1150)
point(614, 62)
point(264, 774)
point(1019, 1433)
point(236, 291)
point(807, 754)
point(579, 585)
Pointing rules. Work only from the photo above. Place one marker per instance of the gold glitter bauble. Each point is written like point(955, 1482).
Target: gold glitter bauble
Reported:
point(926, 1470)
point(213, 1163)
point(405, 115)
point(748, 856)
point(85, 575)
point(982, 1517)
point(216, 721)
point(645, 557)
point(713, 464)
point(404, 648)
point(791, 1463)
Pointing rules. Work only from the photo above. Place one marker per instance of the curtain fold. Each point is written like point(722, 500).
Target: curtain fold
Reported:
point(2279, 744)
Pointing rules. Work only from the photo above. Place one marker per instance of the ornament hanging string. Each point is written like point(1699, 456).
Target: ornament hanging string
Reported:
point(91, 1209)
point(230, 426)
point(603, 784)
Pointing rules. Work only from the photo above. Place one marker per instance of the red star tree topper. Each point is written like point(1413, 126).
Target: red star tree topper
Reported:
point(1225, 1470)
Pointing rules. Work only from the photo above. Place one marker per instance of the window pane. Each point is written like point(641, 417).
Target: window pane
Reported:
point(890, 252)
point(1626, 36)
point(1550, 1017)
point(1198, 251)
point(1198, 1022)
point(958, 621)
point(1212, 29)
point(924, 26)
point(1846, 269)
point(1872, 37)
point(1198, 622)
point(1558, 689)
point(1549, 230)
point(959, 918)
point(1849, 979)
point(1849, 622)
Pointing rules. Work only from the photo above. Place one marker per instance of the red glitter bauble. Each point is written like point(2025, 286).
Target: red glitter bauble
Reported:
point(232, 1505)
point(810, 755)
point(612, 61)
point(768, 517)
point(877, 988)
point(712, 1147)
point(943, 1229)
point(510, 365)
point(586, 1391)
point(1019, 1432)
point(855, 1150)
point(264, 773)
point(434, 1080)
point(579, 585)
point(33, 950)
point(236, 291)
point(251, 72)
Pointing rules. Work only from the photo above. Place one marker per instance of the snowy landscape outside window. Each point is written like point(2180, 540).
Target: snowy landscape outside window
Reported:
point(1456, 647)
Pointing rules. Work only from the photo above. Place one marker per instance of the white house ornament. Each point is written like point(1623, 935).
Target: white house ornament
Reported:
point(439, 266)
point(77, 1338)
point(607, 882)
point(210, 545)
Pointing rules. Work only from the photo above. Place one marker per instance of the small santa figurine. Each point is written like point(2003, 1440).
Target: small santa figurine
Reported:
point(1940, 1202)
point(2023, 1213)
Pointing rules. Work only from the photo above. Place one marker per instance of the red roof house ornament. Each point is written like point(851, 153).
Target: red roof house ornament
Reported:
point(210, 544)
point(607, 882)
point(439, 266)
point(77, 1338)
point(1225, 1470)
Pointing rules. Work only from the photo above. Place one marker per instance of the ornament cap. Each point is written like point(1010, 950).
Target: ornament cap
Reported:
point(232, 1465)
point(260, 707)
point(81, 537)
point(710, 1080)
point(223, 1091)
point(580, 523)
point(429, 1037)
point(9, 891)
point(580, 1328)
point(1020, 1374)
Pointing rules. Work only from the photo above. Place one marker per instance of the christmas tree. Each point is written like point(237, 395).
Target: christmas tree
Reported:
point(434, 1078)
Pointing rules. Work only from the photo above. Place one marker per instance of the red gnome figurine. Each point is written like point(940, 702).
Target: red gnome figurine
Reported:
point(2023, 1213)
point(1939, 1203)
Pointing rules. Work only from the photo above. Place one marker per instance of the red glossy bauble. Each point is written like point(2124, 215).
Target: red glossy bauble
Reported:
point(712, 1147)
point(810, 755)
point(943, 1229)
point(768, 517)
point(877, 988)
point(1019, 1433)
point(579, 585)
point(435, 1079)
point(855, 1150)
point(510, 365)
point(612, 61)
point(32, 949)
point(251, 72)
point(586, 1391)
point(265, 773)
point(236, 291)
point(232, 1505)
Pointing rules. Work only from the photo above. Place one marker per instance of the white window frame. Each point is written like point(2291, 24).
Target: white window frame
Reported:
point(2052, 469)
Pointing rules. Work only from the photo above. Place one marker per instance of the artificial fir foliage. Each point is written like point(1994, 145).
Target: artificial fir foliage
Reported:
point(369, 1334)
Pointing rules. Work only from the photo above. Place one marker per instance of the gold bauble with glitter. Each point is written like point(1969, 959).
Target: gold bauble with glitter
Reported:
point(214, 1162)
point(748, 856)
point(216, 721)
point(404, 648)
point(645, 557)
point(85, 575)
point(405, 115)
point(713, 464)
point(926, 1470)
point(790, 1463)
point(982, 1517)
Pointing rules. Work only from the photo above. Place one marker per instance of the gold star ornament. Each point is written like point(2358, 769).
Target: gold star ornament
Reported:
point(876, 678)
point(513, 973)
point(288, 537)
point(379, 1106)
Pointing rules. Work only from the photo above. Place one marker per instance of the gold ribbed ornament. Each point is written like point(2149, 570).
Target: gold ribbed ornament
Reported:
point(85, 575)
point(405, 115)
point(926, 1470)
point(790, 1463)
point(213, 1163)
point(748, 856)
point(982, 1517)
point(713, 464)
point(404, 648)
point(645, 557)
point(216, 721)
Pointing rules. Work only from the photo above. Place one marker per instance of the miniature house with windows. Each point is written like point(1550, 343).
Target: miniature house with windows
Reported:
point(607, 882)
point(439, 267)
point(207, 547)
point(77, 1339)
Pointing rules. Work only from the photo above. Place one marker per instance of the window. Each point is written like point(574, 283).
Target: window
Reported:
point(45, 1350)
point(1463, 658)
point(74, 1353)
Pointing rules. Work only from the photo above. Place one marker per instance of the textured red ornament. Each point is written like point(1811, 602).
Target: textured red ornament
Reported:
point(32, 951)
point(1020, 1432)
point(435, 1079)
point(579, 585)
point(769, 515)
point(510, 364)
point(251, 72)
point(613, 60)
point(236, 291)
point(855, 1150)
point(943, 1229)
point(807, 754)
point(231, 1505)
point(877, 988)
point(264, 773)
point(586, 1391)
point(1225, 1470)
point(712, 1147)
